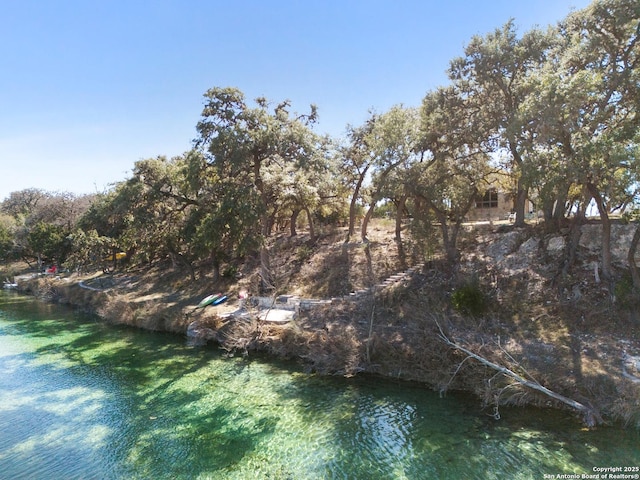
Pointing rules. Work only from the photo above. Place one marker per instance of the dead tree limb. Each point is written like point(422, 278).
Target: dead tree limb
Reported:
point(590, 416)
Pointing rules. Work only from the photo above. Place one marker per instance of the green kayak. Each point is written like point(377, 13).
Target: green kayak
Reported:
point(208, 300)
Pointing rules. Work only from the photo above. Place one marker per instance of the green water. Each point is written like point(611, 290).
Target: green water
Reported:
point(79, 399)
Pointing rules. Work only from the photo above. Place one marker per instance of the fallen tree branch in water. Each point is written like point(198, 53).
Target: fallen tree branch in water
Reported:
point(590, 416)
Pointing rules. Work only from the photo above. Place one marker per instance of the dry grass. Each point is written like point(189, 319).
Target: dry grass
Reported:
point(535, 324)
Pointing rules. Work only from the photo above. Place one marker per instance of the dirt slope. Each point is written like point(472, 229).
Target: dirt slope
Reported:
point(564, 330)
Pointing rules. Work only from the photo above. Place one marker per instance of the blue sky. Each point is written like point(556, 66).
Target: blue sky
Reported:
point(88, 88)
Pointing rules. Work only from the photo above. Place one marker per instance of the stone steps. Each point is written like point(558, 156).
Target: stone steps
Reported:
point(294, 303)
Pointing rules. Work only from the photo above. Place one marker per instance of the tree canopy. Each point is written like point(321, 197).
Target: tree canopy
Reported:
point(552, 110)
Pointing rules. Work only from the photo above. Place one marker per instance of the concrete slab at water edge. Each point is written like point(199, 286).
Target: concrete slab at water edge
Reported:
point(277, 315)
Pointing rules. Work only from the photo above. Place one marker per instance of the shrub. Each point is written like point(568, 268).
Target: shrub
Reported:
point(626, 295)
point(469, 299)
point(230, 271)
point(303, 253)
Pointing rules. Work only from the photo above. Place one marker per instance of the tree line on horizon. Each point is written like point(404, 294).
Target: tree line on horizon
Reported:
point(549, 116)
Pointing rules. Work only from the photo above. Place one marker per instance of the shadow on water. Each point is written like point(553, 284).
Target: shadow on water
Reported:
point(26, 455)
point(133, 384)
point(408, 431)
point(81, 399)
point(159, 430)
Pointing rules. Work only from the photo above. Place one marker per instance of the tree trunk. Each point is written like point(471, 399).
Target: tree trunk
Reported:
point(573, 241)
point(293, 220)
point(365, 221)
point(268, 285)
point(521, 200)
point(547, 211)
point(521, 188)
point(560, 207)
point(271, 221)
point(216, 270)
point(176, 259)
point(606, 230)
point(631, 258)
point(312, 231)
point(353, 204)
point(554, 209)
point(581, 210)
point(399, 212)
point(265, 258)
point(451, 248)
point(265, 262)
point(192, 272)
point(449, 238)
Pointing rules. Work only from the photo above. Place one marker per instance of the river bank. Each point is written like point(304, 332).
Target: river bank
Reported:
point(83, 399)
point(565, 334)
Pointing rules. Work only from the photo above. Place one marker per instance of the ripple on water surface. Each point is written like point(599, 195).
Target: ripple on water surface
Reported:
point(81, 400)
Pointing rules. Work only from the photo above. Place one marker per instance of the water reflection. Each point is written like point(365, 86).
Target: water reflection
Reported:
point(79, 399)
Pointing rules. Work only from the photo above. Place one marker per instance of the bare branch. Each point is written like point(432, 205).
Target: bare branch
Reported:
point(591, 417)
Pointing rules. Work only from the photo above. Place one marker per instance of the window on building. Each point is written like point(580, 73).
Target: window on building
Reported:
point(488, 200)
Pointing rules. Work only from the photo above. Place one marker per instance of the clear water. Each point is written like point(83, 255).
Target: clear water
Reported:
point(79, 399)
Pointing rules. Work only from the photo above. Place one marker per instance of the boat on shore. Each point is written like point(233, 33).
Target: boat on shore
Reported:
point(220, 300)
point(209, 300)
